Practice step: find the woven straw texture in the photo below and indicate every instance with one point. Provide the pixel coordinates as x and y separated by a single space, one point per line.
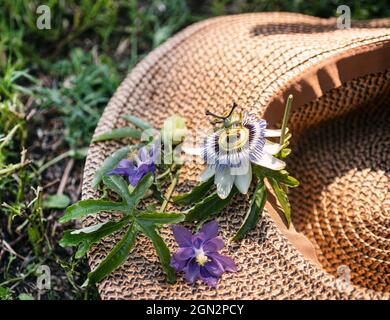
341 154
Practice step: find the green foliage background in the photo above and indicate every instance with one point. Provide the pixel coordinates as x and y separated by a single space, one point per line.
54 85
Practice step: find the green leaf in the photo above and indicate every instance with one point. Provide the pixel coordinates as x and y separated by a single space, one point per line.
139 191
25 296
282 198
57 201
197 193
119 133
137 122
157 194
5 293
254 212
119 185
161 249
85 207
110 163
85 237
211 205
115 258
152 218
280 176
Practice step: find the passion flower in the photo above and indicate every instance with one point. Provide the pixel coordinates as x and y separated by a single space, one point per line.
231 150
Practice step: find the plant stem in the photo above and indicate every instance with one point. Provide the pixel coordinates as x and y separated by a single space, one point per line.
170 190
13 167
285 118
165 173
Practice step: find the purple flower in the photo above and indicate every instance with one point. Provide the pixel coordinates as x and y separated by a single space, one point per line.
198 254
142 164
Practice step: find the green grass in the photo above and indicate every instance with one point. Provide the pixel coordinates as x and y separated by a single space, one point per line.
54 85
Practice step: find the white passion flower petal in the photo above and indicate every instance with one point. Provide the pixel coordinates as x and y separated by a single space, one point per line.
224 182
269 161
207 173
271 133
243 181
271 147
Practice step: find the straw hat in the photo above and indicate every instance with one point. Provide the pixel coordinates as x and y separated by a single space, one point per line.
340 79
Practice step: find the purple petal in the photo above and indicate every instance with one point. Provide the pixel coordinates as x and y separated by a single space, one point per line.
208 278
143 154
135 177
227 263
143 169
180 258
197 240
183 236
193 271
214 267
125 168
209 230
153 152
211 281
126 163
119 171
184 253
213 245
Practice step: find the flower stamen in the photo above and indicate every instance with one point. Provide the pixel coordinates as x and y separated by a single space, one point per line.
201 258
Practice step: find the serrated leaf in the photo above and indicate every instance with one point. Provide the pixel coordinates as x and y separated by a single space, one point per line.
85 207
254 212
119 185
197 193
150 218
57 201
209 206
119 133
85 237
110 163
115 258
161 249
137 122
282 198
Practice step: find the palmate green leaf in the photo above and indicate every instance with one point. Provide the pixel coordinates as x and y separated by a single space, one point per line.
115 258
157 193
161 248
209 206
119 133
156 218
137 122
119 185
85 237
198 192
139 191
110 163
282 198
280 176
254 212
85 207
